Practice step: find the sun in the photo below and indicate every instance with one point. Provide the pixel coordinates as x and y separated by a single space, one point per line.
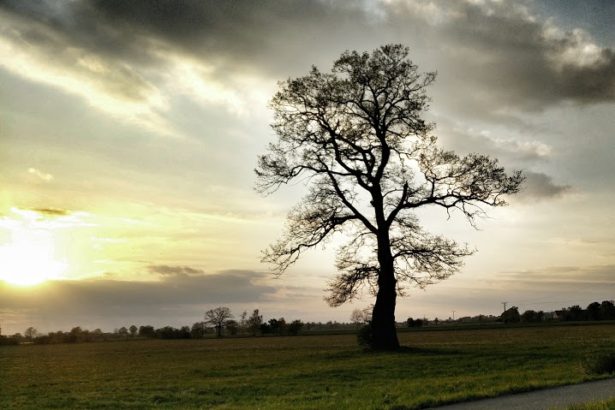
28 259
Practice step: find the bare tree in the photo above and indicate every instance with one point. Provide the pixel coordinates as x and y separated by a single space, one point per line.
218 317
30 333
254 322
360 316
357 137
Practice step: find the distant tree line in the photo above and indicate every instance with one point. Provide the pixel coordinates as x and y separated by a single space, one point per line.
217 322
220 322
594 311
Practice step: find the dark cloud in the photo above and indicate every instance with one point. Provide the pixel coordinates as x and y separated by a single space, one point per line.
174 270
491 57
539 186
51 211
110 301
69 39
499 55
264 36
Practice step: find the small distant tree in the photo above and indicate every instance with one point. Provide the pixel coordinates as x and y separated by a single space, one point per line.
607 310
166 332
277 326
184 332
147 331
295 327
133 330
254 322
531 316
122 331
511 315
232 327
243 321
265 328
273 325
30 333
360 317
593 311
217 318
573 313
75 335
198 330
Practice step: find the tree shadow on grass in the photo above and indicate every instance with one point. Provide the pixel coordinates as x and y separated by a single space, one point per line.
412 350
403 350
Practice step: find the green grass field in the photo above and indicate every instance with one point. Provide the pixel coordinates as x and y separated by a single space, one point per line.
316 372
600 405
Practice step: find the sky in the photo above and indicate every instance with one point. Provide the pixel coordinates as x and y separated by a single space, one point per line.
129 131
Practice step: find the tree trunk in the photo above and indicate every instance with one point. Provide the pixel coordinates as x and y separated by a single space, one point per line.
383 316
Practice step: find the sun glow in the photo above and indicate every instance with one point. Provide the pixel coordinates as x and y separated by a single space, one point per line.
29 256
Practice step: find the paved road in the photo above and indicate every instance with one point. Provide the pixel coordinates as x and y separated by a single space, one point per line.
557 397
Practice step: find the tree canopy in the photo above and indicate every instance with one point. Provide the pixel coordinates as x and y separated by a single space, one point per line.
218 317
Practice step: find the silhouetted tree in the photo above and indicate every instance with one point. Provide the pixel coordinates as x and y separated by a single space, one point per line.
593 311
511 315
277 326
217 317
264 328
198 330
607 310
166 332
30 333
133 330
232 327
254 322
532 316
243 321
295 327
147 331
357 136
7 341
184 332
573 313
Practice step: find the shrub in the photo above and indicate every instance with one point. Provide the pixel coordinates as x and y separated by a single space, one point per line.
365 336
8 341
601 364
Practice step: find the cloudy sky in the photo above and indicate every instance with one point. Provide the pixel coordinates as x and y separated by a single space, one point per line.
129 131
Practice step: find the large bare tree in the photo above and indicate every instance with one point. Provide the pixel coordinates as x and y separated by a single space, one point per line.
356 136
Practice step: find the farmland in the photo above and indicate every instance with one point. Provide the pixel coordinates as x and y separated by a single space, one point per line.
327 371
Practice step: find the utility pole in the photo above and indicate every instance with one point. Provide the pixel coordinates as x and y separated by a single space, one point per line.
504 304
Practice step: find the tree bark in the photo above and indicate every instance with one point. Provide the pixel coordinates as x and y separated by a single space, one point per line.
384 332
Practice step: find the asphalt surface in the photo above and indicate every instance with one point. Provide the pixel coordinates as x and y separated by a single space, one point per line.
547 399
